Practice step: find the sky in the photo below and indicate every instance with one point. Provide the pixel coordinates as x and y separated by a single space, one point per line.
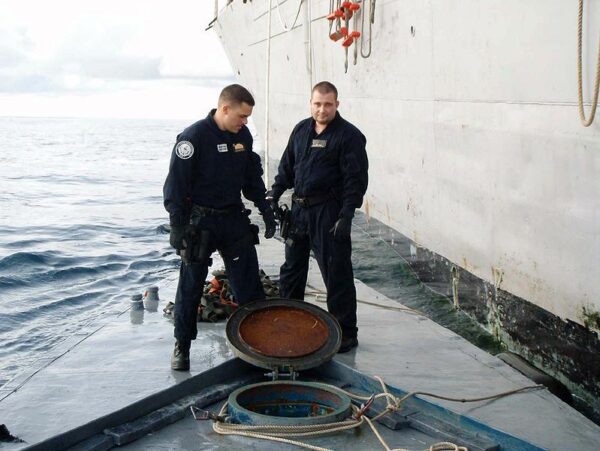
108 58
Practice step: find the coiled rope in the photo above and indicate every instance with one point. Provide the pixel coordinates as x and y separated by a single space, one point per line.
279 433
586 121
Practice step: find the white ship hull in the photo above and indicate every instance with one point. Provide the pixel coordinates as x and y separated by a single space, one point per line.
474 140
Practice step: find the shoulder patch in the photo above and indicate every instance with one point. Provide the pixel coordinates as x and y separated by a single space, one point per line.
184 150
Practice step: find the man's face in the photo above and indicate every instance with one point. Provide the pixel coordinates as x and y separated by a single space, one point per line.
323 107
236 116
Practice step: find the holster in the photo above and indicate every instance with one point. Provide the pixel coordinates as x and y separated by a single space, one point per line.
284 214
254 231
197 244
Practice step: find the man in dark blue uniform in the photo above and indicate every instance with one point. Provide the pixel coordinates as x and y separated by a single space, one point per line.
326 164
212 162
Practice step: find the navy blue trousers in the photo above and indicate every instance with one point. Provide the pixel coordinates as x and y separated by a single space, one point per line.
230 234
311 231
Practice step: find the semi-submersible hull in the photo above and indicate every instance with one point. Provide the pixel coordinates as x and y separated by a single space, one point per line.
478 159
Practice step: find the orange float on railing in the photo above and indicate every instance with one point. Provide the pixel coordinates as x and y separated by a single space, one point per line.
339 34
338 13
345 11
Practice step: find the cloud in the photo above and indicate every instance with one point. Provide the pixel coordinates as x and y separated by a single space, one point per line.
14 45
21 83
89 57
109 58
82 47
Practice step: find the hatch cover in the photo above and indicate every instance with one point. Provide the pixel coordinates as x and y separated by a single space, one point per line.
283 333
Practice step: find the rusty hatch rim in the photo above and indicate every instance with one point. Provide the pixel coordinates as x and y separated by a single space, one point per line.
280 333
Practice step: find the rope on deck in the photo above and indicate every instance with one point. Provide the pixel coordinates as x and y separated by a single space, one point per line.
279 433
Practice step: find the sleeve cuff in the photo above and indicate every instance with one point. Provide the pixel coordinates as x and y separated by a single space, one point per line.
178 220
262 206
347 212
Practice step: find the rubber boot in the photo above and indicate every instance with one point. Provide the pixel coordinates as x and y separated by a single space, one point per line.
180 360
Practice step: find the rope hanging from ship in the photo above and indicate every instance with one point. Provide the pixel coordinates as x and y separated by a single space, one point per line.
586 121
282 21
345 11
362 28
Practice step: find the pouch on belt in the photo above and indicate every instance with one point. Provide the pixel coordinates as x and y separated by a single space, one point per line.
198 247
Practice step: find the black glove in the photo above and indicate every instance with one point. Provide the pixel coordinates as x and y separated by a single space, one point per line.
176 236
270 223
273 202
341 229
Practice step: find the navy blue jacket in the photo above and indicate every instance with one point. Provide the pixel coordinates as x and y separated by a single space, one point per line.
210 167
334 161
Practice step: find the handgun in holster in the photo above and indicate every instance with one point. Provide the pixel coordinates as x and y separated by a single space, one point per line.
197 246
284 215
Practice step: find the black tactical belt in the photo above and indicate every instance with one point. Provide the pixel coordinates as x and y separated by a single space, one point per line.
309 201
198 210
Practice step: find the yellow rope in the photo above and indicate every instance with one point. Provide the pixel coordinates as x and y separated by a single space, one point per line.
271 438
447 446
278 432
586 122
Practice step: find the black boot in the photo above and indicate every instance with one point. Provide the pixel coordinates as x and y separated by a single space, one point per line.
348 343
180 360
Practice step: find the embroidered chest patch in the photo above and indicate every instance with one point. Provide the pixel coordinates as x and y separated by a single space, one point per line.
184 150
238 147
319 143
222 147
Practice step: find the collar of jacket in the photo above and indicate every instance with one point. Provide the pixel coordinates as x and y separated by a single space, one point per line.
213 125
211 121
335 123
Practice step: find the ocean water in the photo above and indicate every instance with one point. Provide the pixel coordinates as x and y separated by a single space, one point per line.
82 229
81 226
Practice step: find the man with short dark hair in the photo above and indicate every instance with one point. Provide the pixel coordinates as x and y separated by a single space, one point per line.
212 162
325 162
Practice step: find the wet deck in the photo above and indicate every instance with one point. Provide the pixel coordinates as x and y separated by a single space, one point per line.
126 360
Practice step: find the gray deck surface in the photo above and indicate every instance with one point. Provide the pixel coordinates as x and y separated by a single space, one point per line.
192 434
127 360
